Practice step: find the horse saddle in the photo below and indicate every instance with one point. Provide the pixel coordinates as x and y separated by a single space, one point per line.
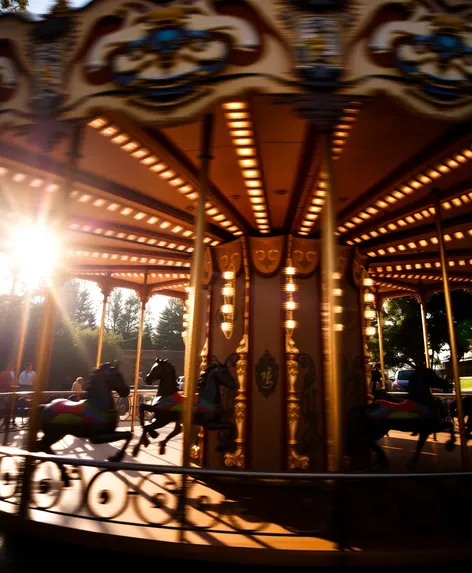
406 409
62 406
175 403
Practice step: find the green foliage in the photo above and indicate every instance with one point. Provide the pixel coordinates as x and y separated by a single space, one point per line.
123 315
168 335
402 330
78 304
14 5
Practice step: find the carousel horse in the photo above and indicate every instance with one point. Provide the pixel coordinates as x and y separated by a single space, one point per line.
420 413
94 418
467 406
168 408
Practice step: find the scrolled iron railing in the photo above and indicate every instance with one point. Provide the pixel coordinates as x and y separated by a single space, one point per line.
344 510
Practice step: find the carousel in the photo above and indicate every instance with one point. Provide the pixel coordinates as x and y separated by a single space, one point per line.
282 166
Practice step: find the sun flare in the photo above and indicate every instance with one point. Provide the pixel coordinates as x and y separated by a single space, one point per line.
32 255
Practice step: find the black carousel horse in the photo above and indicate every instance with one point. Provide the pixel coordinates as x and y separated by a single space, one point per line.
168 408
420 413
94 418
467 406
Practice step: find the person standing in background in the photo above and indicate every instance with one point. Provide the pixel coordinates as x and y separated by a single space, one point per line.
27 377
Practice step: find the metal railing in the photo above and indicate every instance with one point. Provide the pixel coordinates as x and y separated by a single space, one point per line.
344 510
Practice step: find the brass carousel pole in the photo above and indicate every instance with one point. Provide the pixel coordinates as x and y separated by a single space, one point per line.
105 288
46 332
25 312
378 311
194 295
144 298
332 329
450 326
424 327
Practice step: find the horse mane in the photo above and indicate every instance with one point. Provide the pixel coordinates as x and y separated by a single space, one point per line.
204 375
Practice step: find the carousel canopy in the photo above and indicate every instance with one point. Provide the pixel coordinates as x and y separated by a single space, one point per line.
130 214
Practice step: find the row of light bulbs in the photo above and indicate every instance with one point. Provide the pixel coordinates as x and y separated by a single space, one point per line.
316 205
459 235
416 266
422 277
458 201
148 159
291 305
238 117
402 191
369 305
344 127
228 293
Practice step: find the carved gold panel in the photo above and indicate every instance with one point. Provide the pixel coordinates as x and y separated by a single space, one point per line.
266 254
227 255
305 255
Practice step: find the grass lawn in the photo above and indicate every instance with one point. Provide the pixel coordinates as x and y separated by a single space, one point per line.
466 383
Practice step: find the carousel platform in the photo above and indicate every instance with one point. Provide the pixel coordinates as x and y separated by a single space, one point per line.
150 506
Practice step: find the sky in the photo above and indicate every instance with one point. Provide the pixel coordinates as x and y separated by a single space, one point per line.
42 6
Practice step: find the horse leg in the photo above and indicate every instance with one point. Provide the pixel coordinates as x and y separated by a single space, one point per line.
144 440
44 445
382 459
175 432
113 437
419 446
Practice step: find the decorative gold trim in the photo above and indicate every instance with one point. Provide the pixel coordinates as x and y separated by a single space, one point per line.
294 460
197 449
237 459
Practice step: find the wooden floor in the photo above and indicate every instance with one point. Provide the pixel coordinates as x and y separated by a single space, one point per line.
128 505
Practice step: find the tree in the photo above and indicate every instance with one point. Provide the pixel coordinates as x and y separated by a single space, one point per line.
114 311
14 5
78 304
168 335
402 330
402 334
437 321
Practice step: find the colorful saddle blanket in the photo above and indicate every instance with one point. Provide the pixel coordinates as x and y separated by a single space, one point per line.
63 411
175 403
400 410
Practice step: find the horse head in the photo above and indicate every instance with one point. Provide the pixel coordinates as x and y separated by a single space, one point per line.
108 376
220 373
163 371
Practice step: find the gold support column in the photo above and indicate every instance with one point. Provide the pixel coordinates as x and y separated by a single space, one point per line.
378 312
450 326
25 312
295 461
424 326
46 332
331 330
237 459
194 298
197 449
105 288
143 295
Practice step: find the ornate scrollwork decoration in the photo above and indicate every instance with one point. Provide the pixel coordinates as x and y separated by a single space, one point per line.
416 51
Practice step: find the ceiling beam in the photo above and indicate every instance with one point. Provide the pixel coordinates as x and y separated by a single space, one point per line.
171 293
181 257
392 216
433 152
128 229
110 269
422 273
47 164
415 233
307 173
172 155
416 257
